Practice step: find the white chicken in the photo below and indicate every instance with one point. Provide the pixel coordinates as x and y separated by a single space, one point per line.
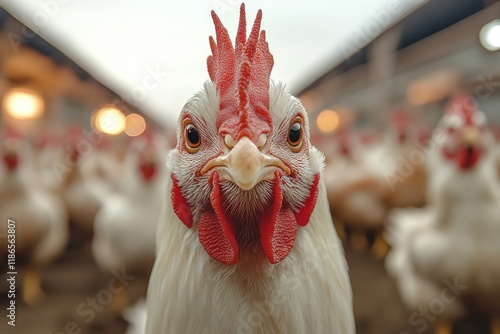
125 226
454 240
357 195
247 243
398 161
82 192
41 221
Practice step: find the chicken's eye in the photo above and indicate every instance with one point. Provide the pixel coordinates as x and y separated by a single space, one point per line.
295 134
192 138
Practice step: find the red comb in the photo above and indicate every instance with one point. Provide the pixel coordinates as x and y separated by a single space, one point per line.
149 137
463 105
241 75
400 118
74 133
12 133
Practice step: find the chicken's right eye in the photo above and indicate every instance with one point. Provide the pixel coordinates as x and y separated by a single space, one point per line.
192 137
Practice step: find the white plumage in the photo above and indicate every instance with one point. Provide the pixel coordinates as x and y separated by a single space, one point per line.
454 238
246 243
189 292
41 221
125 226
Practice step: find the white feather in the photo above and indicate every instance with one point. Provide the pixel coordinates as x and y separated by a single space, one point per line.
454 238
189 292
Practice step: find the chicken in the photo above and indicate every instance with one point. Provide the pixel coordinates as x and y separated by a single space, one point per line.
39 216
104 164
400 162
454 240
83 192
247 243
357 196
48 151
125 226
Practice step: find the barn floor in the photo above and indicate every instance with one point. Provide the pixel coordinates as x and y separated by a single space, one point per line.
69 283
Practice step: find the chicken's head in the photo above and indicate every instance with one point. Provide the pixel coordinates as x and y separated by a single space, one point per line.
465 135
148 160
244 172
73 138
12 146
401 126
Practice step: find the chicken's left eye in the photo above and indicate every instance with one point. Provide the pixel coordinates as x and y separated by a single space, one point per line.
192 137
295 134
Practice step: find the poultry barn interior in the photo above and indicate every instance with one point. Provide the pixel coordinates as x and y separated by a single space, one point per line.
405 109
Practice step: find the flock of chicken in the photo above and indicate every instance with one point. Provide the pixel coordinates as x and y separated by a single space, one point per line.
430 206
436 200
52 186
246 242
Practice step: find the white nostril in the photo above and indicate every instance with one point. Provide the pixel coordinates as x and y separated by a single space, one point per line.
261 141
229 141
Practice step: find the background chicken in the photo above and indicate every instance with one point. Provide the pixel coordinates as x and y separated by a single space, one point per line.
357 195
247 228
455 238
40 217
82 190
402 163
125 226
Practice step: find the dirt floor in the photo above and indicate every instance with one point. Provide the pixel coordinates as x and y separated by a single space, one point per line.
73 279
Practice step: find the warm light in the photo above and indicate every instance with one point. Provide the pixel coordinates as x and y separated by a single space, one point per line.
134 125
328 121
22 103
109 120
433 86
489 36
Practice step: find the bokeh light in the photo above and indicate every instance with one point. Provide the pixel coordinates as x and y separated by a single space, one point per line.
22 103
134 125
489 36
109 120
328 121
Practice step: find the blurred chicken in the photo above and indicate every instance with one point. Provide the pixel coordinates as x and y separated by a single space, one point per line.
400 162
452 244
41 222
357 196
247 228
48 152
83 191
125 226
105 162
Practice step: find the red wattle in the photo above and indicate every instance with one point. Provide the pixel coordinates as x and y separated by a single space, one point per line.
464 158
148 171
304 214
467 159
11 161
180 204
278 227
215 231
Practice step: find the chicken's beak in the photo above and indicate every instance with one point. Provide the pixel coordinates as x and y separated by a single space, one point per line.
471 137
245 165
